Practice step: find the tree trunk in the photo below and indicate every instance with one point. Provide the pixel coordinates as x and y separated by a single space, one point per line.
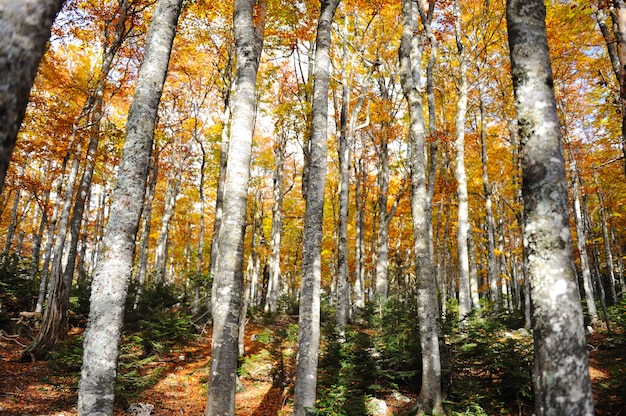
619 20
601 18
219 198
97 108
24 30
359 257
54 322
465 298
309 318
430 397
274 289
112 276
38 236
146 215
12 224
492 262
561 378
171 193
227 286
608 254
196 288
581 238
344 154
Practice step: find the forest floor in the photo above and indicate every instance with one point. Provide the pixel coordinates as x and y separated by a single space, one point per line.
177 385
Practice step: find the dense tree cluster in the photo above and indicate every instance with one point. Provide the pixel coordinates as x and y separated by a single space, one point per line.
355 150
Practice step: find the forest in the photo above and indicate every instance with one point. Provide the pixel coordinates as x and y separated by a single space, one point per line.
334 207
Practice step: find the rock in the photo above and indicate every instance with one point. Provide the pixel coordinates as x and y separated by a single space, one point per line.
140 409
376 407
400 397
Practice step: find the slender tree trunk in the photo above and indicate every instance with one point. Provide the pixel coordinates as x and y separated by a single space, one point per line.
97 106
110 282
171 193
309 318
38 236
359 257
492 262
608 254
24 30
219 199
348 128
12 224
430 397
619 22
54 321
274 289
228 283
581 238
344 153
601 18
146 215
196 288
561 379
465 298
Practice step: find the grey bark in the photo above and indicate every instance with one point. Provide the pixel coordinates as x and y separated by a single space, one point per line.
112 276
274 289
228 282
348 127
48 250
344 153
359 257
465 297
24 30
619 28
608 253
111 47
146 215
601 18
54 322
561 376
199 259
492 261
581 237
309 317
225 137
12 224
38 236
430 396
171 193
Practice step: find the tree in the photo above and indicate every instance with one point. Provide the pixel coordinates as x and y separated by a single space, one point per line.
249 25
309 317
561 378
24 30
112 276
465 296
430 397
54 322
